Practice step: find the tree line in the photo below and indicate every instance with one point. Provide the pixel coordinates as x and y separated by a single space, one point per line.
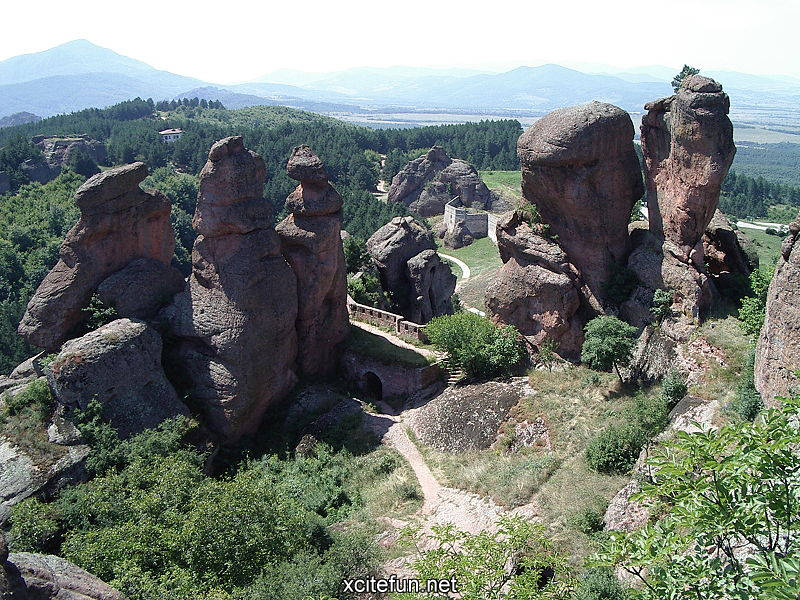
744 196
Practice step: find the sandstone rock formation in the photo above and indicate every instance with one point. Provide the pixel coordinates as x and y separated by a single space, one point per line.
421 285
580 170
119 364
427 183
727 251
234 340
27 576
778 348
537 290
687 144
119 224
457 236
311 243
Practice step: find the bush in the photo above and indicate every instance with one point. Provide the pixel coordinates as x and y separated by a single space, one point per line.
608 343
480 347
37 397
35 527
366 289
753 309
599 584
675 387
98 313
748 402
355 254
661 307
651 413
587 520
615 450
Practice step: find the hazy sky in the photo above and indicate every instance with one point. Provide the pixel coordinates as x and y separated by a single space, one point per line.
225 42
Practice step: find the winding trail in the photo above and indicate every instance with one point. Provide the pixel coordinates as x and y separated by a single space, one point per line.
465 271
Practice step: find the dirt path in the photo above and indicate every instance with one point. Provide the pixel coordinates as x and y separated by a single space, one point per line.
465 271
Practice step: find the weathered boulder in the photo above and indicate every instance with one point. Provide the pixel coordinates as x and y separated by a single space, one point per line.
233 339
778 348
119 223
119 364
28 576
427 183
37 170
140 289
420 284
580 169
311 243
537 290
457 236
687 144
432 286
727 251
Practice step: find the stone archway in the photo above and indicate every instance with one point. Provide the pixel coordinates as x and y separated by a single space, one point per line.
372 386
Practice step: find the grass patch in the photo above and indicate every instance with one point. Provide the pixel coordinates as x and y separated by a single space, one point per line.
767 246
481 256
505 183
378 347
472 292
23 420
720 382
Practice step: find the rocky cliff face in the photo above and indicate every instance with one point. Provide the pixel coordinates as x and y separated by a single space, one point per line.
429 182
537 290
580 170
778 349
59 150
119 224
420 284
687 144
235 342
311 244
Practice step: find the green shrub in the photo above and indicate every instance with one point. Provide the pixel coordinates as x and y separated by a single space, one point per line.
35 527
651 413
98 313
675 387
366 289
615 449
753 309
608 343
599 584
588 520
37 397
747 403
480 347
661 306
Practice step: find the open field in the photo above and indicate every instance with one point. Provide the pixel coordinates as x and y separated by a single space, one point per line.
767 246
505 183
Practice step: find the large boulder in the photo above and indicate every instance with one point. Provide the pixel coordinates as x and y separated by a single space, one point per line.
119 364
432 286
312 245
58 151
119 223
580 169
429 182
778 348
419 283
537 290
37 170
726 250
233 339
27 576
457 236
687 144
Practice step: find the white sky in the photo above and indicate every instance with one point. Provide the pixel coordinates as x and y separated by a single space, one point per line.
225 42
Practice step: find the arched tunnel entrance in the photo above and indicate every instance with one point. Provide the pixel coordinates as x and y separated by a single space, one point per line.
372 386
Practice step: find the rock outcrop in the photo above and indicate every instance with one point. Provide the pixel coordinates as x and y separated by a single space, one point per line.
58 151
119 364
27 576
778 348
311 243
687 144
429 182
234 341
420 284
727 252
537 290
120 223
580 170
457 236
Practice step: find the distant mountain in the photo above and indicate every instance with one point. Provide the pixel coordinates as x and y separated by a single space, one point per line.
19 118
79 75
233 99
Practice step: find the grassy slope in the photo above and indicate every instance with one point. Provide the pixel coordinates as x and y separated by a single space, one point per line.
767 246
506 183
